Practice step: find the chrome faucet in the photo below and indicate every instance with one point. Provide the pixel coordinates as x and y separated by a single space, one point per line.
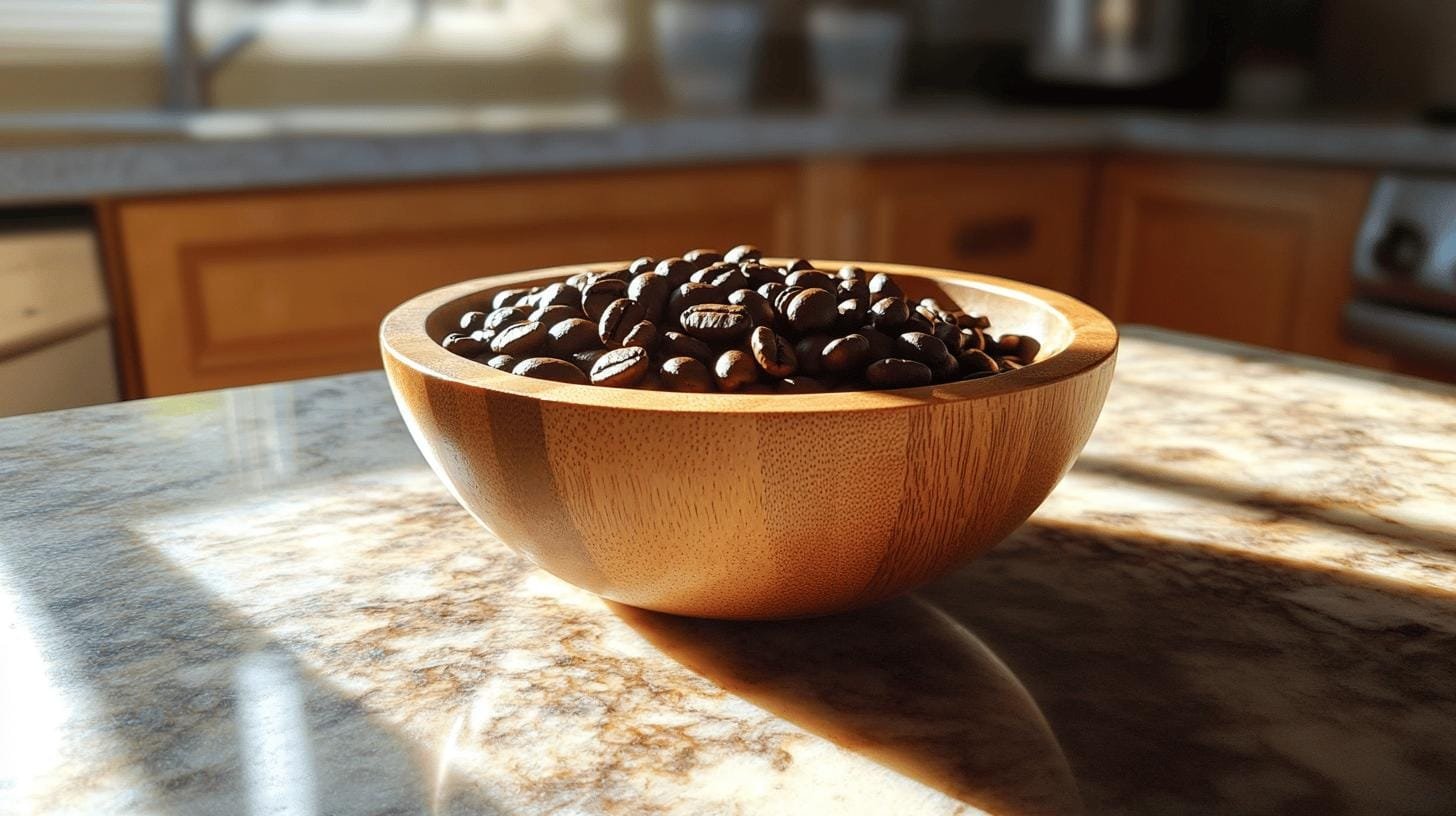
188 72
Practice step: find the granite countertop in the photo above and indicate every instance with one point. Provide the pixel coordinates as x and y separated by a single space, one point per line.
75 157
1241 599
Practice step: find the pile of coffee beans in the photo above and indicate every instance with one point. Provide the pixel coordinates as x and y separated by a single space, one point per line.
729 322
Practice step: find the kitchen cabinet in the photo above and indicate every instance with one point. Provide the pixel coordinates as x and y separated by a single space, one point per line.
1022 217
245 288
1242 251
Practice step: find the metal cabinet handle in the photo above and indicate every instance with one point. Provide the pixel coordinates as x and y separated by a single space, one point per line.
1003 235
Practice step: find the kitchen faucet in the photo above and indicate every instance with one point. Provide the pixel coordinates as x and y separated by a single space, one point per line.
188 72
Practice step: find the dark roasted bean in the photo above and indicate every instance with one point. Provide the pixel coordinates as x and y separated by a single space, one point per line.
685 374
677 344
889 314
797 264
503 362
851 314
1009 364
549 316
619 319
621 368
580 280
848 354
759 274
926 348
760 311
770 291
782 297
472 322
506 297
811 310
883 286
882 345
772 352
810 353
730 280
704 275
916 323
467 345
743 252
623 275
975 362
642 335
519 339
980 322
811 279
735 369
550 368
893 372
652 291
559 294
573 335
853 290
676 270
506 315
716 322
700 258
973 339
641 265
598 296
584 360
1019 347
850 272
950 335
687 296
799 384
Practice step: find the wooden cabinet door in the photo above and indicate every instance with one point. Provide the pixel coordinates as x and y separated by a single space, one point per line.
244 288
1021 217
1241 251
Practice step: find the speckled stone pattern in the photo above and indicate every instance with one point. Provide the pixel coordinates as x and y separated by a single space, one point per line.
1241 600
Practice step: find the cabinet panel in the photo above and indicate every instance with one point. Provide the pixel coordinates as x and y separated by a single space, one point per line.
230 290
1016 217
1240 251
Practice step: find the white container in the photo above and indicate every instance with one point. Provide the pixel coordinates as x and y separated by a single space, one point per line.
857 55
707 50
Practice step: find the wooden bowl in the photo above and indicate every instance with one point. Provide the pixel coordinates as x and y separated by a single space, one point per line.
754 506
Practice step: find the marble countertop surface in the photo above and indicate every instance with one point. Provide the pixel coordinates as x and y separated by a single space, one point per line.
1241 600
48 158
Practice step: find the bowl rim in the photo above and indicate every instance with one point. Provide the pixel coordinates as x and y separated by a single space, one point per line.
403 336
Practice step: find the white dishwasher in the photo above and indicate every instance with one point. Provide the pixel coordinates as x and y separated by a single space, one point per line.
55 322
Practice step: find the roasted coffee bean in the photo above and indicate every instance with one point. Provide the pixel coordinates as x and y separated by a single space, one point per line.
472 322
889 314
506 297
743 252
810 353
882 345
848 354
704 275
466 345
700 258
685 374
687 296
917 323
760 311
550 368
950 335
519 339
652 291
677 344
618 320
549 316
979 322
925 312
784 295
506 315
623 275
642 335
811 279
811 310
883 286
580 280
716 322
771 290
799 384
573 335
1019 347
798 264
772 352
1009 364
976 362
735 369
850 272
558 294
676 270
851 314
853 290
973 339
621 368
503 362
759 274
894 372
730 280
642 265
926 348
584 360
599 295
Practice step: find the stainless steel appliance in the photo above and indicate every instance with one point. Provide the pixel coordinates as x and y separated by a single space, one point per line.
1116 43
1405 271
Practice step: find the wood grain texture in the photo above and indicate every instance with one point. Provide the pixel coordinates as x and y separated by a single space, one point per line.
1235 250
749 506
244 288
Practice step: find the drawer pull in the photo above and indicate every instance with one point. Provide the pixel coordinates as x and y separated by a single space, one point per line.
994 236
